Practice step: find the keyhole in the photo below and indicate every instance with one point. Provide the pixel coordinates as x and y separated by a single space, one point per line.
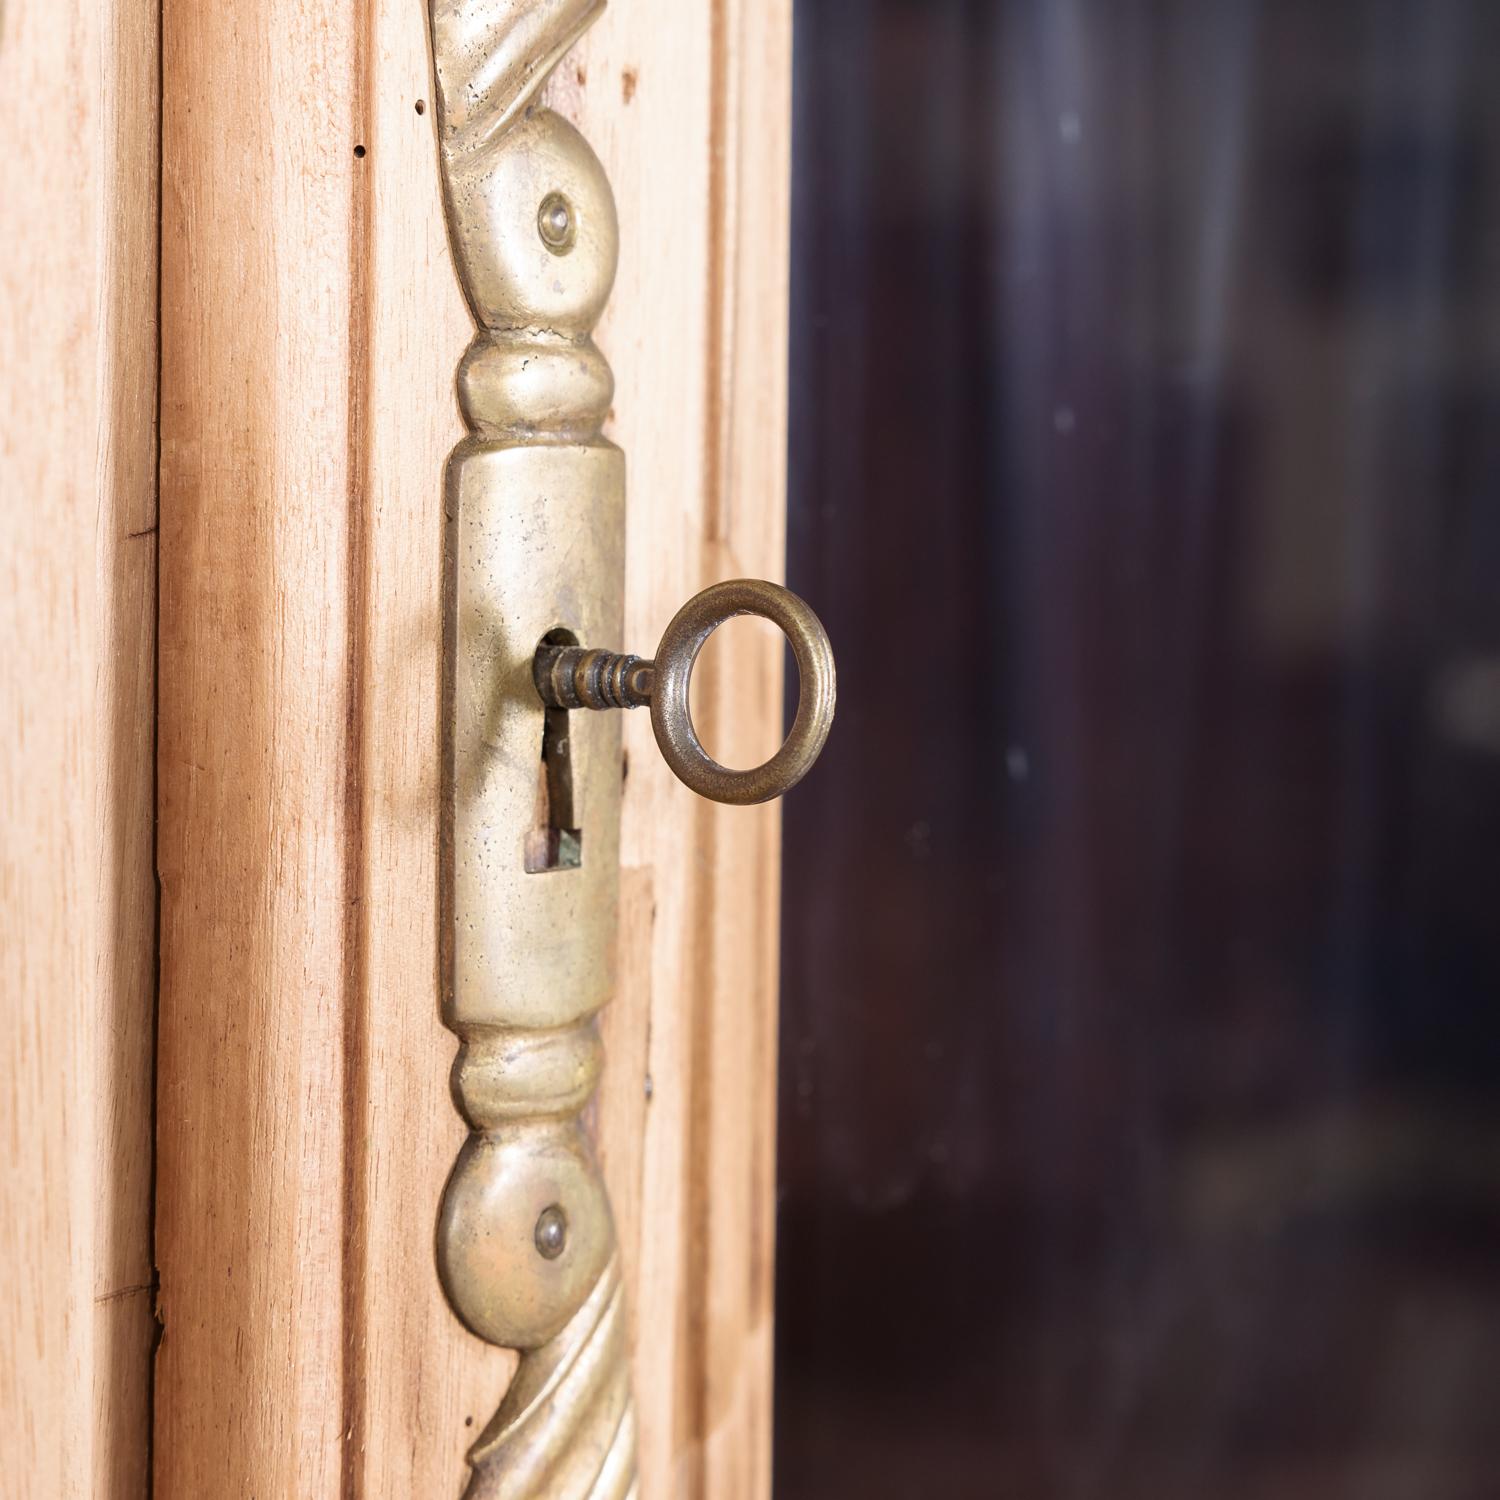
554 842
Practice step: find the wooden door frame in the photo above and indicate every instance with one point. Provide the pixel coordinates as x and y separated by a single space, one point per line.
310 325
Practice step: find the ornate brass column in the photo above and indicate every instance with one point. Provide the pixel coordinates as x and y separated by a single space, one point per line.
535 549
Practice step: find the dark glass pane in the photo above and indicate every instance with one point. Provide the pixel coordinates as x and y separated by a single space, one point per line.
1140 1123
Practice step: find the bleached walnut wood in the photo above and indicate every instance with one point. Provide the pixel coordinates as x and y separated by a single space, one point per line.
261 834
311 327
77 605
306 1122
699 158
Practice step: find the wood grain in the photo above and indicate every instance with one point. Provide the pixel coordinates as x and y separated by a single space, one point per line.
699 156
259 820
311 326
77 604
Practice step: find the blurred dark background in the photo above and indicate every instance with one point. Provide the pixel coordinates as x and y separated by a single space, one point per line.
1140 1077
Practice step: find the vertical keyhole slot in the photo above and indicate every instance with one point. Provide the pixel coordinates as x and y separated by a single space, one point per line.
555 842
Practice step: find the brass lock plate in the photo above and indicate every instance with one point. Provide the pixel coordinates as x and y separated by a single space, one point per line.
536 545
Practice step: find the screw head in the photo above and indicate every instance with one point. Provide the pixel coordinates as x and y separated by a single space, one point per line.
551 1232
557 224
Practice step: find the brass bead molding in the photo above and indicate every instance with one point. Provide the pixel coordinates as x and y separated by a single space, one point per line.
534 557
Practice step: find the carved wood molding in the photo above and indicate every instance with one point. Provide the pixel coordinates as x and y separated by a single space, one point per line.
535 545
